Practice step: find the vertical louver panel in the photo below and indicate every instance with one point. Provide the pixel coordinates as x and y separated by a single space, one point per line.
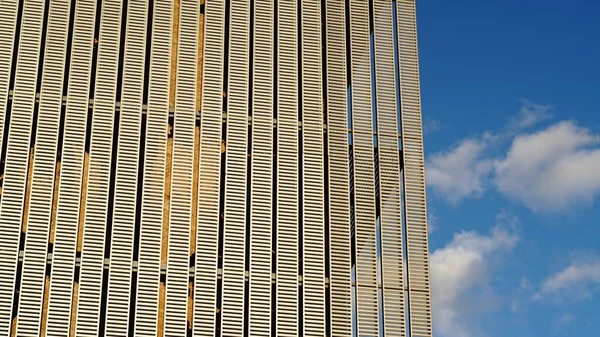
183 164
210 161
414 172
152 197
17 155
313 178
287 170
123 228
364 181
96 211
235 177
262 166
42 183
389 171
69 193
339 189
8 22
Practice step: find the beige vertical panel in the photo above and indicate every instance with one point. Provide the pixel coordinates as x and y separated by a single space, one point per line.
209 177
389 171
67 216
42 185
96 211
126 178
183 164
337 150
17 155
414 173
262 165
364 181
313 178
8 22
234 243
287 170
154 171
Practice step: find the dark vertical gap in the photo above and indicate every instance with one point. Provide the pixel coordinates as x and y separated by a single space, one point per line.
223 170
113 171
274 170
326 166
140 183
17 290
249 171
300 177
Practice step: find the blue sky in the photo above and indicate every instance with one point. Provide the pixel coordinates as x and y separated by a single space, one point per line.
512 140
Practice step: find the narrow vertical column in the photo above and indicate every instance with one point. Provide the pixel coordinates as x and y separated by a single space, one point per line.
236 169
287 170
126 177
339 187
414 172
96 211
364 178
8 24
209 178
389 172
69 193
313 178
17 155
183 163
42 188
262 166
153 195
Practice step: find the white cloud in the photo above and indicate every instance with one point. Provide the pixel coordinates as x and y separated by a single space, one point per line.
551 169
461 282
564 320
575 282
432 125
531 113
432 221
548 170
460 172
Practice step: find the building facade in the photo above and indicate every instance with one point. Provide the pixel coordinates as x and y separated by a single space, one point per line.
211 168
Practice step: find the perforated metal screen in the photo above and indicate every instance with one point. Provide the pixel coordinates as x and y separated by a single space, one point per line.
211 168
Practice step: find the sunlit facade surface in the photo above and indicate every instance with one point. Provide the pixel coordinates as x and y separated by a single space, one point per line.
211 168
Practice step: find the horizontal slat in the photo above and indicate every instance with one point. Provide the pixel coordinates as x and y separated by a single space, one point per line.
183 164
261 174
339 196
67 216
154 171
17 154
234 236
96 211
210 160
414 172
126 178
389 172
287 170
312 177
44 164
8 24
364 178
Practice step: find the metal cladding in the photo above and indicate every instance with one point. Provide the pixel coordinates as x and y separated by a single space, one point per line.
212 168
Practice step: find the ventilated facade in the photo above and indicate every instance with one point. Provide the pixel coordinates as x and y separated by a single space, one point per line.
211 168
